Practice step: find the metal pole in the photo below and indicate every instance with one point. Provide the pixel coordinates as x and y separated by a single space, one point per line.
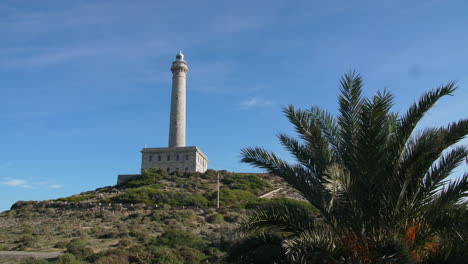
218 192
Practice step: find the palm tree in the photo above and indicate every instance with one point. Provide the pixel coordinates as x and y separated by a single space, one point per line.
381 188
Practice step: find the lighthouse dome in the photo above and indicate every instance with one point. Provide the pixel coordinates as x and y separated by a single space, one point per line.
180 56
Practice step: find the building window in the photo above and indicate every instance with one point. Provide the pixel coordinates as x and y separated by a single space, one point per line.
177 157
150 158
168 158
177 169
186 169
168 169
159 158
186 157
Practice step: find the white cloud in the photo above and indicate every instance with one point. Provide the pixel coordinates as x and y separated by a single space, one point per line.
15 182
12 182
254 102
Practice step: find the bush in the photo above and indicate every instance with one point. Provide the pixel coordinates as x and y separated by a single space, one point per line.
247 182
34 261
77 247
67 258
267 202
112 259
61 244
167 255
186 215
125 242
214 218
150 195
177 239
149 176
74 199
235 197
231 217
191 255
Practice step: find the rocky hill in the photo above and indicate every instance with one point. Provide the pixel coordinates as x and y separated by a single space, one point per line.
155 218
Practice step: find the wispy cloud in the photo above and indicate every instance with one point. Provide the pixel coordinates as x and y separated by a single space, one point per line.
15 182
255 102
46 58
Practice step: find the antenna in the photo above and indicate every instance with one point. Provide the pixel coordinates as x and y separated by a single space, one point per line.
218 192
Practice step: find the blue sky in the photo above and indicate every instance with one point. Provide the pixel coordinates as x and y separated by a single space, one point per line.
84 85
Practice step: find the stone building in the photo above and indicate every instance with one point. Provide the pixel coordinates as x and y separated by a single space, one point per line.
176 156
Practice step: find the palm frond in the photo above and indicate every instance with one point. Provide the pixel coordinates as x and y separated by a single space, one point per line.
302 153
452 194
311 132
436 176
350 102
313 246
424 150
408 122
281 216
328 125
302 179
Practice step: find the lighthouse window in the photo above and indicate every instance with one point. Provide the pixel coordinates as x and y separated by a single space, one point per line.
150 158
177 157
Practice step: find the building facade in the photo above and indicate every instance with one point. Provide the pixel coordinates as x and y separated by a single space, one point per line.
174 159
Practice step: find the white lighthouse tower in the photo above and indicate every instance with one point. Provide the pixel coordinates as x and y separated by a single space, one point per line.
179 71
177 156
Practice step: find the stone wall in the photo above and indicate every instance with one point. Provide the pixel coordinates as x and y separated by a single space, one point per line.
88 206
123 178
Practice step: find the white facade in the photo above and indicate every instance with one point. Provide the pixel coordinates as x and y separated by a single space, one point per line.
179 71
174 159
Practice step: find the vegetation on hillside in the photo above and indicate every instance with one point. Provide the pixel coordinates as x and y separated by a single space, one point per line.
184 227
381 187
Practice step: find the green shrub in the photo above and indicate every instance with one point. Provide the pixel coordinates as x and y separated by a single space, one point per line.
149 176
234 197
231 217
214 218
159 215
26 241
177 239
150 195
77 247
112 259
74 199
191 255
266 202
247 182
186 215
67 258
125 242
61 244
167 255
33 261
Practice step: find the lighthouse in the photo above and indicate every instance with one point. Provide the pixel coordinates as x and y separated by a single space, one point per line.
179 71
177 156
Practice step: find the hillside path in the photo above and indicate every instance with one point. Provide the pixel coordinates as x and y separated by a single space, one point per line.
25 254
